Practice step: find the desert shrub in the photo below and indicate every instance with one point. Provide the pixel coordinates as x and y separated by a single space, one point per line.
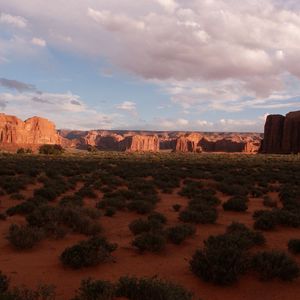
294 246
51 149
24 151
24 237
265 220
176 207
110 212
156 216
275 264
221 261
191 188
179 233
4 283
233 189
245 237
74 200
236 204
201 215
140 226
87 253
268 202
21 209
42 292
290 218
140 206
150 289
153 242
48 193
86 191
95 290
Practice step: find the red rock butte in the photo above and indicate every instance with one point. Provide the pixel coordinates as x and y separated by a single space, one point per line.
36 131
282 134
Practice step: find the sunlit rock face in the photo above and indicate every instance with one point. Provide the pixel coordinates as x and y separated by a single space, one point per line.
33 131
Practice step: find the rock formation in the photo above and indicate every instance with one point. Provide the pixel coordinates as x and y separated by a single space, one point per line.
282 134
14 134
34 131
140 143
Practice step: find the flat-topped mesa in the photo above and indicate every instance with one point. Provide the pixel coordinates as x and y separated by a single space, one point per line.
34 131
142 143
282 134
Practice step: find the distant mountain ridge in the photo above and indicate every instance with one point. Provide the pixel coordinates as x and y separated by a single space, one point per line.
14 133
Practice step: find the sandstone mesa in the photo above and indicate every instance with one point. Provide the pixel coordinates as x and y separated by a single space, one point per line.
282 135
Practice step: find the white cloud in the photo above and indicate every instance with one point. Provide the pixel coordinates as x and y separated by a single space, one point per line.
182 122
38 42
168 5
127 105
223 55
115 22
15 21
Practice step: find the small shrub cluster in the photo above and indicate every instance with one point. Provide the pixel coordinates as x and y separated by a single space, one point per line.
275 264
148 241
95 290
150 289
51 149
24 237
225 257
131 288
87 253
179 233
236 203
201 208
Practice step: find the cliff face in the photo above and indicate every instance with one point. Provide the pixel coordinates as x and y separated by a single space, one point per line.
273 134
291 133
282 134
140 143
189 143
34 131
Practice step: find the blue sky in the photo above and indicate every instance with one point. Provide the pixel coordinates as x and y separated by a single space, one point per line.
209 65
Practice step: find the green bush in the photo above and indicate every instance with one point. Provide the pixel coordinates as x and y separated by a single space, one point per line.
140 206
203 215
43 292
159 217
4 283
179 233
275 264
245 237
95 290
148 241
236 203
221 261
140 226
87 253
150 289
294 246
265 220
51 149
24 237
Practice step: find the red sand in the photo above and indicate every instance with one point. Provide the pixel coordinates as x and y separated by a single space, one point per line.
42 265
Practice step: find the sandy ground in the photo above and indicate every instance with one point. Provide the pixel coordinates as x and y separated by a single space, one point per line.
42 265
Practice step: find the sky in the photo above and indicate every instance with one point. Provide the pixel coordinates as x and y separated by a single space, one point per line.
205 65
